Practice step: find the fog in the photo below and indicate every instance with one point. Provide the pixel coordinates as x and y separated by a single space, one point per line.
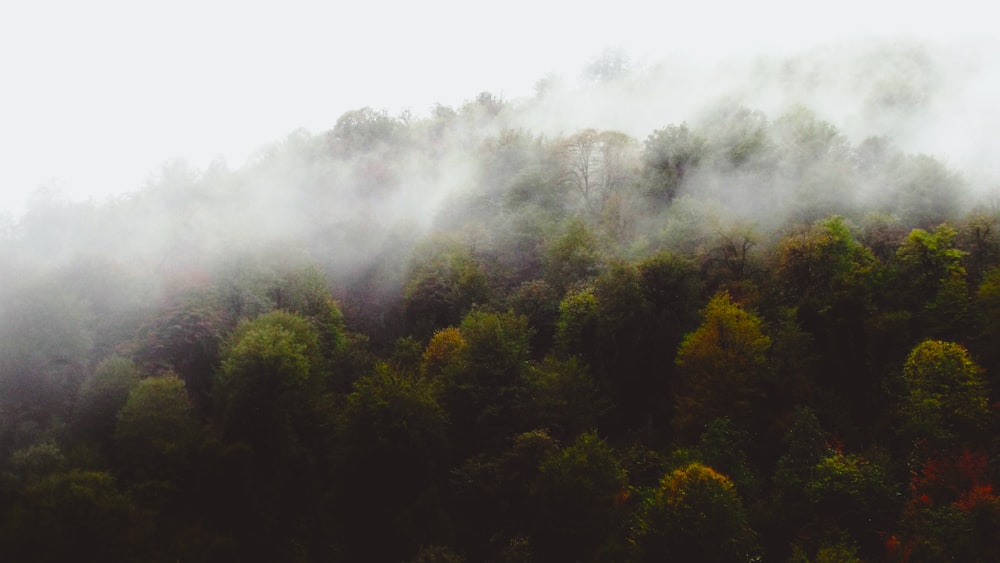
98 97
379 171
177 143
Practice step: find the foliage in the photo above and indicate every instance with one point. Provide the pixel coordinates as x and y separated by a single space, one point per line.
266 371
951 511
571 257
670 154
579 489
576 330
945 395
156 433
489 389
393 446
65 514
721 365
103 394
442 288
695 515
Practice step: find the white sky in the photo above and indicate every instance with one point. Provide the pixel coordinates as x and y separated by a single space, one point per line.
95 95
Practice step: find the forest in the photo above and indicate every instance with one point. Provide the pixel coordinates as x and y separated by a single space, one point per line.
454 338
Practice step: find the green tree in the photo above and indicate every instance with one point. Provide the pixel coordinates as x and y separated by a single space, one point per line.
579 489
739 137
156 434
444 283
670 154
852 493
266 374
724 447
67 514
563 397
364 130
571 257
487 392
393 452
945 395
305 291
824 267
987 308
537 301
576 327
933 279
30 464
825 274
272 413
924 190
102 395
496 495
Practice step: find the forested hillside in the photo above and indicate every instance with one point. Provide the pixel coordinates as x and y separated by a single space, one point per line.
742 336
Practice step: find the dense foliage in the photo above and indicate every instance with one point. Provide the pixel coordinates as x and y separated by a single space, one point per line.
446 339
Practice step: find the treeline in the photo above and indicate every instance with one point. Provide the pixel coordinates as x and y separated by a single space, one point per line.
451 339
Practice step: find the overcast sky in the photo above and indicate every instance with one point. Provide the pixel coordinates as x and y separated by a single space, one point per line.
96 95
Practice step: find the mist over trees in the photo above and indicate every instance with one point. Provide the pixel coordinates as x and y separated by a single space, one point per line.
522 330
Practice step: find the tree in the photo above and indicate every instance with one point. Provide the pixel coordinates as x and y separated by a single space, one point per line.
669 156
443 284
156 433
393 449
563 397
695 515
933 278
852 493
598 164
305 291
576 328
724 447
826 276
739 138
536 300
609 65
28 465
487 393
815 158
721 367
824 267
272 413
45 344
496 494
184 337
70 513
578 491
806 446
951 512
102 395
924 191
266 373
945 396
987 307
363 130
443 354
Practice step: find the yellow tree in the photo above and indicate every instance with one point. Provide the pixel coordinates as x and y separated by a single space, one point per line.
721 367
695 515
